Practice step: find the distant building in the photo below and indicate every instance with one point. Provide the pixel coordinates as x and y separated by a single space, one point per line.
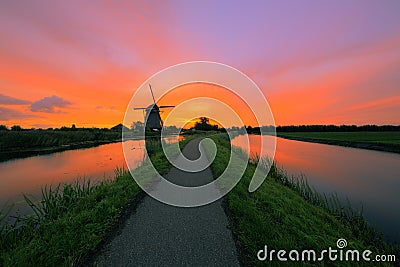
120 127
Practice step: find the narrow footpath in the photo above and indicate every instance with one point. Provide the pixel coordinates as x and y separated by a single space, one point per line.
161 235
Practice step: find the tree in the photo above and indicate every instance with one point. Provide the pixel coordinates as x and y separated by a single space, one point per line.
204 125
16 128
3 127
171 129
137 126
204 120
249 129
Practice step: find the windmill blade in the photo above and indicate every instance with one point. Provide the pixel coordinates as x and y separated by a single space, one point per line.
166 106
141 108
151 90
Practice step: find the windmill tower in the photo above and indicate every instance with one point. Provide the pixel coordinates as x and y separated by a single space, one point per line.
152 116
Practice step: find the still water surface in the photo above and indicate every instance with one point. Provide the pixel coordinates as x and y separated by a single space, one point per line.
29 175
369 179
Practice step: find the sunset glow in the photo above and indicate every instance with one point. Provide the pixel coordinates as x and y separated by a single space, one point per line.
65 63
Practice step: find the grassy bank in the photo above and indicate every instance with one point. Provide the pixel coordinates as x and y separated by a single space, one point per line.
383 141
71 220
287 214
14 144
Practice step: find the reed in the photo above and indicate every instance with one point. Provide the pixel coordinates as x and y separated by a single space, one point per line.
285 212
33 139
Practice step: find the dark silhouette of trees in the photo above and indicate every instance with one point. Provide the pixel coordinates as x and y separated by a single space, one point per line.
137 126
204 125
16 128
317 128
335 128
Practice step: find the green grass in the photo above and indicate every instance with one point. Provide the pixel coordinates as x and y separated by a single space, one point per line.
34 139
71 219
287 214
388 138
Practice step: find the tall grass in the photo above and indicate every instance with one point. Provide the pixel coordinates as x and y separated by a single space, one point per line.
331 203
69 221
387 138
61 198
287 213
21 140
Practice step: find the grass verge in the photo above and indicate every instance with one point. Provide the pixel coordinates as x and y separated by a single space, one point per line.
19 144
71 220
287 214
390 138
383 141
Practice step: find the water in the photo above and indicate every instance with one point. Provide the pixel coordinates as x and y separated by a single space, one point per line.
369 179
29 175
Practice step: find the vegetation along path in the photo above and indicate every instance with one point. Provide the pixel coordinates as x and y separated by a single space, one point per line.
161 235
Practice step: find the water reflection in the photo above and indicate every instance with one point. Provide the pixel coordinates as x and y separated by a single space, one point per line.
29 175
370 179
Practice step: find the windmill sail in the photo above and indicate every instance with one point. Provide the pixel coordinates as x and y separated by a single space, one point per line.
166 106
151 90
152 116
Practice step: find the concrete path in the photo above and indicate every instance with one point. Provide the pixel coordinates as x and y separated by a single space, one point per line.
161 235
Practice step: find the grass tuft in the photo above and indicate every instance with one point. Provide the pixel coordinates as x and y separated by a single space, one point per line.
70 220
286 213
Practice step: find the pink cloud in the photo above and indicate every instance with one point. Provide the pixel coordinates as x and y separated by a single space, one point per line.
388 102
50 104
8 100
7 114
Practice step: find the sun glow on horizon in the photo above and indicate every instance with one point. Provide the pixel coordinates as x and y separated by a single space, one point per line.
315 63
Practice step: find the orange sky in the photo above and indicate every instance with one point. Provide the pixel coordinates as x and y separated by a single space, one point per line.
197 90
75 63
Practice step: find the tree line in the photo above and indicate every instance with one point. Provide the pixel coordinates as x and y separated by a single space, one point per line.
204 125
337 128
317 128
17 128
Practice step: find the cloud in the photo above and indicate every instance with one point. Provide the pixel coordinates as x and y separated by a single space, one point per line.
388 102
8 100
7 114
50 104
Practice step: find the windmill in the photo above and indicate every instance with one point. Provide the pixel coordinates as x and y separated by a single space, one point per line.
152 116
